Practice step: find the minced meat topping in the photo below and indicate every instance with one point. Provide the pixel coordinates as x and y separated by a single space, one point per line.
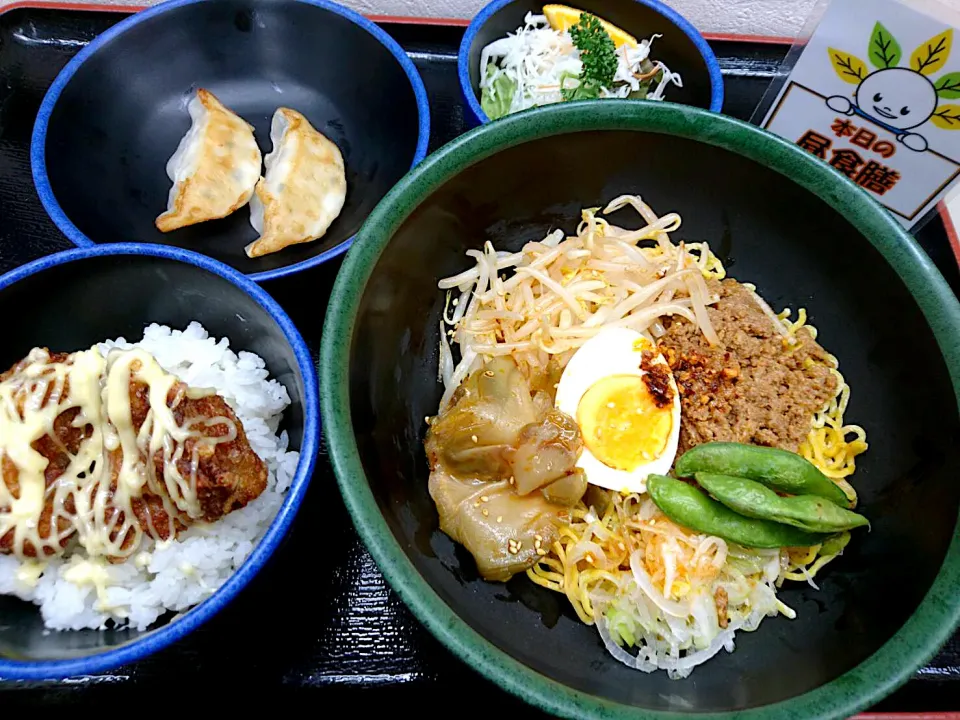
755 387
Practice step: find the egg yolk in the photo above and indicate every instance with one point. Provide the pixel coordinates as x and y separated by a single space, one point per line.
621 424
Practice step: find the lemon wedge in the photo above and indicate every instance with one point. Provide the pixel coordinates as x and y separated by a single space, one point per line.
563 17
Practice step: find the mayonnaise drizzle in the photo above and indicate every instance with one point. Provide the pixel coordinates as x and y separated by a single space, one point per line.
93 500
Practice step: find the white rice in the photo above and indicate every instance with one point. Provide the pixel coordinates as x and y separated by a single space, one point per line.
179 574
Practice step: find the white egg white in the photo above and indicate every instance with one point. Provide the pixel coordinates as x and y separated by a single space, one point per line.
614 351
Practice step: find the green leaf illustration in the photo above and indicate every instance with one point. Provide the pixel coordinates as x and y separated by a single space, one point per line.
948 86
884 49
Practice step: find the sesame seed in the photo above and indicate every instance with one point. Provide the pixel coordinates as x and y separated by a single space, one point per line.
485 512
477 504
456 301
484 498
541 552
499 518
589 558
474 438
488 373
512 481
538 538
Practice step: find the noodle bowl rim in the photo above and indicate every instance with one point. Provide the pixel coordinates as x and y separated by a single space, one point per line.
895 661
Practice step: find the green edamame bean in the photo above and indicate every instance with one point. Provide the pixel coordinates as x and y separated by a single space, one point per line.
835 544
807 512
691 508
778 469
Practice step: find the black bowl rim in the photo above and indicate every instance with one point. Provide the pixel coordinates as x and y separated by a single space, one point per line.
894 663
463 56
38 142
154 640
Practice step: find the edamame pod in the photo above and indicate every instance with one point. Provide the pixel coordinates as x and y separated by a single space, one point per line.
807 512
835 544
778 469
691 508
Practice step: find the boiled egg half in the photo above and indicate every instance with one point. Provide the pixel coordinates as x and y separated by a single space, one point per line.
622 394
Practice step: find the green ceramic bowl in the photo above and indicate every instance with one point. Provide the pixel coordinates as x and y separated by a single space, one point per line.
778 218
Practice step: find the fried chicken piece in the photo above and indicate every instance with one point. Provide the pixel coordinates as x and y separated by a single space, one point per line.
58 450
227 474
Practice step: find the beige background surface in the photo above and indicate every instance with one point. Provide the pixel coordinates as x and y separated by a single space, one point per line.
748 17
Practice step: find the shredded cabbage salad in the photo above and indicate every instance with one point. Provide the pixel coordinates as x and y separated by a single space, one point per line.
531 67
662 597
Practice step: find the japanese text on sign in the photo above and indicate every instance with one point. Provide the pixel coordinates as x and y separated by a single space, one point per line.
869 174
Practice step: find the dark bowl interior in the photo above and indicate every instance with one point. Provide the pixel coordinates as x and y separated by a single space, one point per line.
675 48
800 253
122 114
121 295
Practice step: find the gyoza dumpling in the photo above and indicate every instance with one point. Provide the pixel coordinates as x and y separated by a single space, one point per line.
215 168
304 188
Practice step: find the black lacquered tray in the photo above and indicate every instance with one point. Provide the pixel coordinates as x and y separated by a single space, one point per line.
319 624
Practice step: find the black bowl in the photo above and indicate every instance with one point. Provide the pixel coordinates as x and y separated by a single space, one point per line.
117 111
73 299
779 218
682 48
